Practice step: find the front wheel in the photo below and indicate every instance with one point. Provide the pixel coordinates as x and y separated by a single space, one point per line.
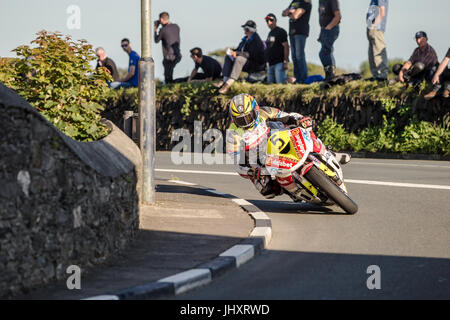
325 185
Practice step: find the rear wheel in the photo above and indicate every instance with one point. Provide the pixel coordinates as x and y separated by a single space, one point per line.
325 185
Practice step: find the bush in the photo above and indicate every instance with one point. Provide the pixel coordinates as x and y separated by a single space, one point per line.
55 76
416 137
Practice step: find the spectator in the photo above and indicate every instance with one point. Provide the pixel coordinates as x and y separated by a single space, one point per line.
248 57
376 26
169 34
132 77
299 12
329 19
277 51
421 65
440 77
211 68
108 63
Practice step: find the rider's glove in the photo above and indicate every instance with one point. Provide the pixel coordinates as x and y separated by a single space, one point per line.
305 123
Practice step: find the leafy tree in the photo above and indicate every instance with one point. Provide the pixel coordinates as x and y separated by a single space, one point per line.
55 76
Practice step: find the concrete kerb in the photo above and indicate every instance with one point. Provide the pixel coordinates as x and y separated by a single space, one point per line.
232 258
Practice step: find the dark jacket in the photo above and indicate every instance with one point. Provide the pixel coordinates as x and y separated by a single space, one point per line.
253 50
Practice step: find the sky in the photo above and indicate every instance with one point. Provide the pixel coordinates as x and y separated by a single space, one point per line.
214 24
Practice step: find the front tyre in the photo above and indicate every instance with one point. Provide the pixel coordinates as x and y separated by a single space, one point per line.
325 185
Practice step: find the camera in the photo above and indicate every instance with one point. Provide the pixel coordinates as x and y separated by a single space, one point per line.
157 23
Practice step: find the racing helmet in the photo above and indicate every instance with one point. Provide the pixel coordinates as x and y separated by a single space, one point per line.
244 110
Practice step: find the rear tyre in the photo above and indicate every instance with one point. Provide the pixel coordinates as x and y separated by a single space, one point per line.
321 181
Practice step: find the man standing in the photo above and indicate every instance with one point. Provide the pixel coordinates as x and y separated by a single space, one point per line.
169 34
108 63
211 68
248 57
277 51
421 65
299 12
376 26
329 19
132 77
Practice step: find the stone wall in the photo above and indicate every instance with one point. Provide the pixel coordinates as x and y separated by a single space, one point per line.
62 202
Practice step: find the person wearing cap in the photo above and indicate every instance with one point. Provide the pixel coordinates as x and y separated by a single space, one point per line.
421 65
441 77
376 26
248 57
169 34
277 51
299 12
329 19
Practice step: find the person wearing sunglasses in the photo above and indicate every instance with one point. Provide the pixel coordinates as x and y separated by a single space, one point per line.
277 51
131 79
248 57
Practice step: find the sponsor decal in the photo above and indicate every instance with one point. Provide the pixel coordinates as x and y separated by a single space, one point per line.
298 143
280 162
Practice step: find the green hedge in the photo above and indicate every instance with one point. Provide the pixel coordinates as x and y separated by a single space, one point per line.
55 76
396 122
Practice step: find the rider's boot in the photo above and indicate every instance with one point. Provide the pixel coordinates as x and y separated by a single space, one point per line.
267 187
342 158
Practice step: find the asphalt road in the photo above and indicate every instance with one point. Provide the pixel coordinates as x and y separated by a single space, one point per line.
402 226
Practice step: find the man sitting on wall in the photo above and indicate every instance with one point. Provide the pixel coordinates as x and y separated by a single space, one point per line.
248 57
421 65
211 68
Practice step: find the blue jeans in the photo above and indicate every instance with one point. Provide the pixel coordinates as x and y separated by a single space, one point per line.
327 39
276 73
298 42
118 85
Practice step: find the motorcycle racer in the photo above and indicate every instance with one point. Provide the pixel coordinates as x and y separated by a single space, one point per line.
249 127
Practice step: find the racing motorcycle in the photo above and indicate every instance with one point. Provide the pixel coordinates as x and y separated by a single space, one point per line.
291 153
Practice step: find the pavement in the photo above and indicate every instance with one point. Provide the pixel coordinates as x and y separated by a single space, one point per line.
189 226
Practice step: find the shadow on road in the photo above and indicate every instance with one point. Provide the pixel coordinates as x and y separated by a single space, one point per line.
291 207
289 275
273 275
177 189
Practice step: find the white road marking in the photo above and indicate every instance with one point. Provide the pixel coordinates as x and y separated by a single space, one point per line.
370 182
241 202
183 182
197 171
399 164
398 184
103 297
189 279
241 252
